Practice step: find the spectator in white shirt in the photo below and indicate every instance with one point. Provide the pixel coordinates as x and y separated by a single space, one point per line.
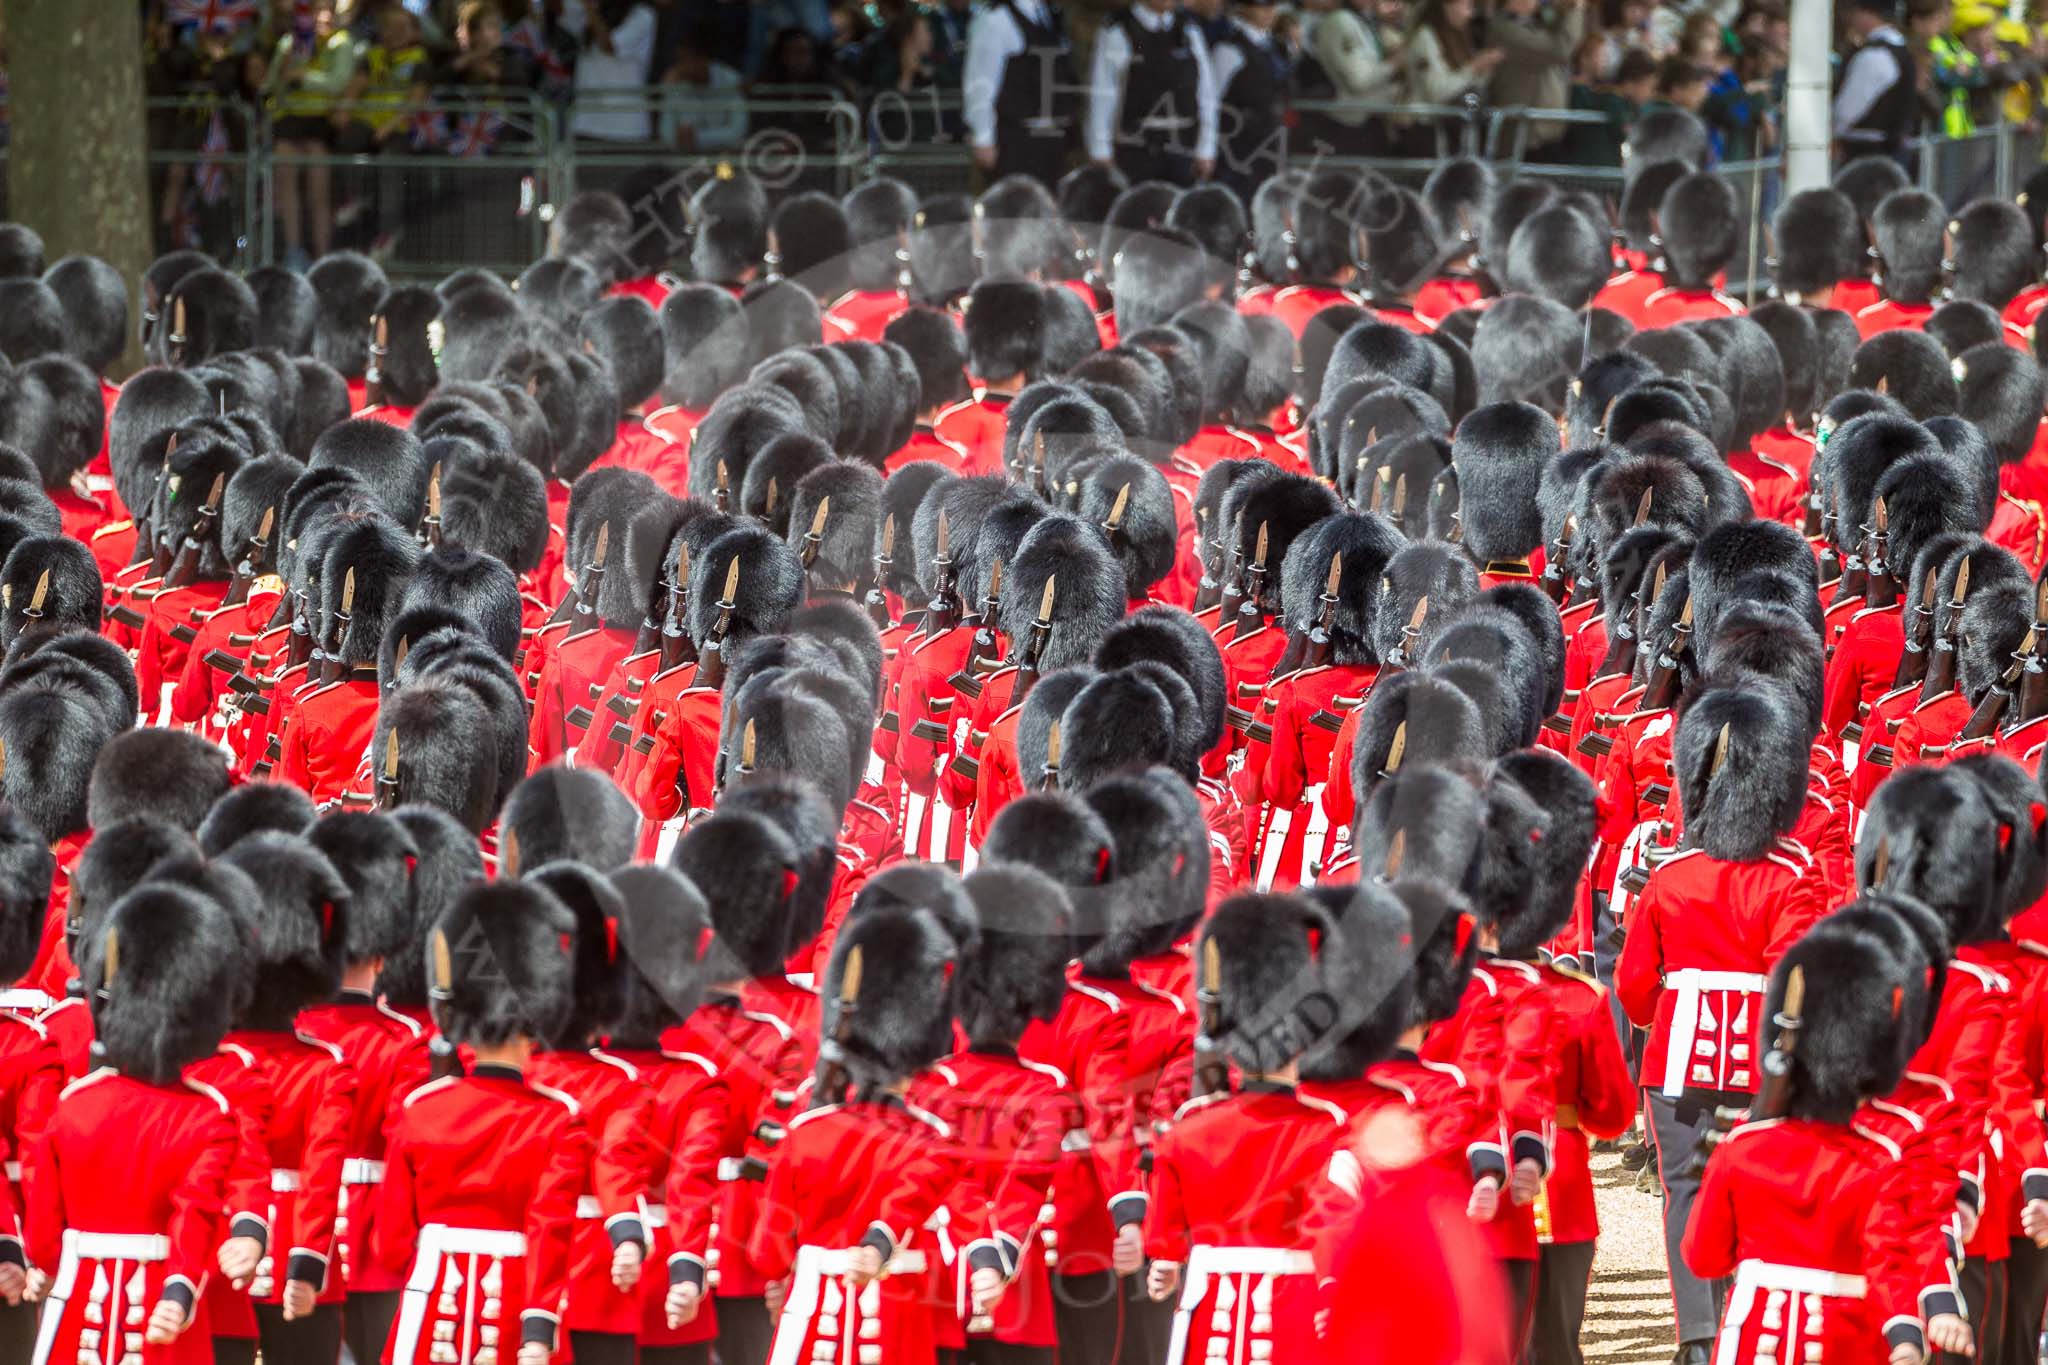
618 48
1152 96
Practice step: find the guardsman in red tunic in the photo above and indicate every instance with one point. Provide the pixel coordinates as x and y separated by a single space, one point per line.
1305 704
1005 323
939 351
1500 460
349 287
1709 925
332 722
251 521
94 298
1797 1204
405 355
1228 1229
1953 857
705 350
31 1069
616 1107
752 875
879 215
1894 462
482 1170
858 1182
1322 253
299 943
1697 220
185 529
1088 1041
664 930
610 600
1262 518
386 1048
1907 245
1642 262
127 1203
626 334
1018 1123
1821 247
56 415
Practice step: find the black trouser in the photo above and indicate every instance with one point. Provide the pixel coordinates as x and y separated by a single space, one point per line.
1675 1126
700 1354
1561 1279
1043 158
2026 1284
987 1351
603 1348
17 1331
1984 1295
1154 158
311 1340
366 1323
1088 1315
745 1331
234 1351
1148 1323
1521 1305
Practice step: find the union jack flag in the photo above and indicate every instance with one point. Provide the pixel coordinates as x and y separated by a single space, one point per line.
525 36
475 134
212 16
426 129
210 176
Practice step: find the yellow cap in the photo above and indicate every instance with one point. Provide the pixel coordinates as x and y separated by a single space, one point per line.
1969 18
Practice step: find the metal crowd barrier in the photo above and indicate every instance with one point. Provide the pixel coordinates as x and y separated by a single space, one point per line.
472 177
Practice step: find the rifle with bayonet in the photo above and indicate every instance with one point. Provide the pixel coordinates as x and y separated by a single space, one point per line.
676 647
814 536
2033 684
982 657
1984 721
387 776
1212 1065
1233 579
1034 648
1880 585
942 613
185 568
1403 653
255 559
1326 616
711 658
1920 634
1250 616
590 582
331 666
1554 583
430 520
1049 775
1661 689
833 1073
877 601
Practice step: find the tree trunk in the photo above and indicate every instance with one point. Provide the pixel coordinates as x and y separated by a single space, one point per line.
75 162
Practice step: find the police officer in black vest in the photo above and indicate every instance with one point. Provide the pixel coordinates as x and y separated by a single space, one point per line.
1152 95
1022 98
1251 85
1876 105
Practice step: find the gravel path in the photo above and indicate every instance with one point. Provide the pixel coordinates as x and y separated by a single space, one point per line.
1628 1309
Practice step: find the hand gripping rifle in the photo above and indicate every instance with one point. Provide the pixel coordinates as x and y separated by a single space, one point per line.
185 568
255 558
1984 721
1212 1066
1880 585
877 601
430 521
1250 617
833 1074
1034 648
1662 688
1555 585
711 659
675 641
942 613
331 666
1403 653
591 581
387 778
2033 690
1920 636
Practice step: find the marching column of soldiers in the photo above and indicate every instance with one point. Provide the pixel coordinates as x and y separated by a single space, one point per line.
1103 776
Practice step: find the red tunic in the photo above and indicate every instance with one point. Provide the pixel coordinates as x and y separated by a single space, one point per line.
1019 1127
1089 1042
231 631
1446 294
1233 1176
975 425
640 447
571 682
927 444
850 1174
1627 292
862 313
1298 303
675 424
481 1180
31 1074
617 1109
1853 296
313 1109
1596 1098
617 703
681 767
1886 316
391 415
1671 306
1797 1212
655 289
1863 666
326 735
122 1159
388 1053
170 625
1730 921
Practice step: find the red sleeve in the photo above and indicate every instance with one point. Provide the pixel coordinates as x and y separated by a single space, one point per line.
1167 1234
1607 1092
1286 766
248 1181
1103 1083
1800 905
701 1115
772 1243
35 1103
551 1224
192 699
149 661
626 1157
1339 799
1527 1072
1026 1185
395 1231
996 784
1639 972
1842 691
291 764
545 736
310 1239
956 782
194 1226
